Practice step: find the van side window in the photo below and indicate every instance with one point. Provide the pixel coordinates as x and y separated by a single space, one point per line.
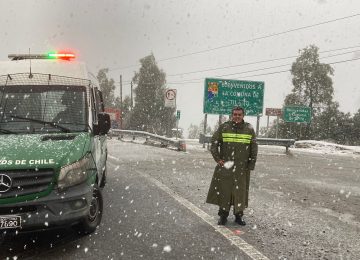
95 110
99 100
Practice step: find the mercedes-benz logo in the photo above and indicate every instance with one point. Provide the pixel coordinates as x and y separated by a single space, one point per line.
5 183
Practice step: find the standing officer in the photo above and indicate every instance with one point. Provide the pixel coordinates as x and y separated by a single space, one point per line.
234 148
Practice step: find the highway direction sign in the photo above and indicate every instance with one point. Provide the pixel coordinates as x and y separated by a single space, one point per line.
299 114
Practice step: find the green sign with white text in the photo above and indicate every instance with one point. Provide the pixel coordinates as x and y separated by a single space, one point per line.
297 114
221 95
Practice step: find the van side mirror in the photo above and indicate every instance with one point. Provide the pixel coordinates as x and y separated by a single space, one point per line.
103 125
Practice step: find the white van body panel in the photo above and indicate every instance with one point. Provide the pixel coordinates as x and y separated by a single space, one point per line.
58 67
74 69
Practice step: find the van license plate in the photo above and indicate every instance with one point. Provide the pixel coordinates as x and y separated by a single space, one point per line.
10 222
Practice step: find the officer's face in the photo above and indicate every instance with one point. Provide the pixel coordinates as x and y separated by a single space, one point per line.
237 116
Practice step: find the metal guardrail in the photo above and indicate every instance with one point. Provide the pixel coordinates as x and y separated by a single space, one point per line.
261 141
163 141
273 141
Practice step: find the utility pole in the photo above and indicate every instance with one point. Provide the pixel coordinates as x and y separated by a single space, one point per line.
121 104
131 95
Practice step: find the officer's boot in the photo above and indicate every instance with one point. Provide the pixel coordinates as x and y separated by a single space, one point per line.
223 217
239 219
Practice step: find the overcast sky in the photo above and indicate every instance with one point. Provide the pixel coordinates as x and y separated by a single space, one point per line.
116 34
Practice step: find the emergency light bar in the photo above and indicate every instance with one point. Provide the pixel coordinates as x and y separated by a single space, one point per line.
61 55
52 55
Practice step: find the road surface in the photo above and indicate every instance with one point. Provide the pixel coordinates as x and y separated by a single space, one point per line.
302 206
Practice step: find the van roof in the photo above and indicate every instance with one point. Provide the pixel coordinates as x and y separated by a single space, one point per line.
57 67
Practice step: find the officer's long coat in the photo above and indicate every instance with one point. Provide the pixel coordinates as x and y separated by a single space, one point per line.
232 142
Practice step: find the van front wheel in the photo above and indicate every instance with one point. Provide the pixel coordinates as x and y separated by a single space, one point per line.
93 218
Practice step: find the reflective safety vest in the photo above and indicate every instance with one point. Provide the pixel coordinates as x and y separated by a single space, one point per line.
235 142
236 138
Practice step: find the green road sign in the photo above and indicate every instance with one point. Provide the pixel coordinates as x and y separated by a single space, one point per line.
299 114
221 95
178 114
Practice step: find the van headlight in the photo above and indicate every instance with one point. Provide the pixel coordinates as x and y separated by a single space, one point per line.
75 173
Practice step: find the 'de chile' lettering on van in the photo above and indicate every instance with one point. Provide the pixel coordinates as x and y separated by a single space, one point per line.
42 161
30 162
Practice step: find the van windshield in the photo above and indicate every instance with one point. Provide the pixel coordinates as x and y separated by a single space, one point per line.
42 109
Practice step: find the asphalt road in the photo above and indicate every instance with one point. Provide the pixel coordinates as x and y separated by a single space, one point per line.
302 206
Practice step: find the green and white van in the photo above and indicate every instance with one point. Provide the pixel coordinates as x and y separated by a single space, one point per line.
52 144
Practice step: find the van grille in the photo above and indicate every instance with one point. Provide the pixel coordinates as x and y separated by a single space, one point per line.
25 182
17 210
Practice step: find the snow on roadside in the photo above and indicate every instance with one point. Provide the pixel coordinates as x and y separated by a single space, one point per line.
325 147
310 146
193 144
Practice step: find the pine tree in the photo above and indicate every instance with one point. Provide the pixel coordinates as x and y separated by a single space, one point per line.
355 135
313 87
107 86
149 113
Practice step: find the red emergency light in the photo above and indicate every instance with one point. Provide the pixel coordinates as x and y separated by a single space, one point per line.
61 55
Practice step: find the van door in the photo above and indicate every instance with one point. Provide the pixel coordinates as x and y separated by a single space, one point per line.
99 140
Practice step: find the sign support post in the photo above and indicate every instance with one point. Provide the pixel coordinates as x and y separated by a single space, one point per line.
177 128
121 104
177 122
205 125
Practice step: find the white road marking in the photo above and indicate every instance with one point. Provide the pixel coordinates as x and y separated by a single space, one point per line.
227 233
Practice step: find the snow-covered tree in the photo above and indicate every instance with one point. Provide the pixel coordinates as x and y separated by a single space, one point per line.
149 113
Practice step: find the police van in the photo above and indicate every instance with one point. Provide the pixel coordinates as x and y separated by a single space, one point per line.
52 144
